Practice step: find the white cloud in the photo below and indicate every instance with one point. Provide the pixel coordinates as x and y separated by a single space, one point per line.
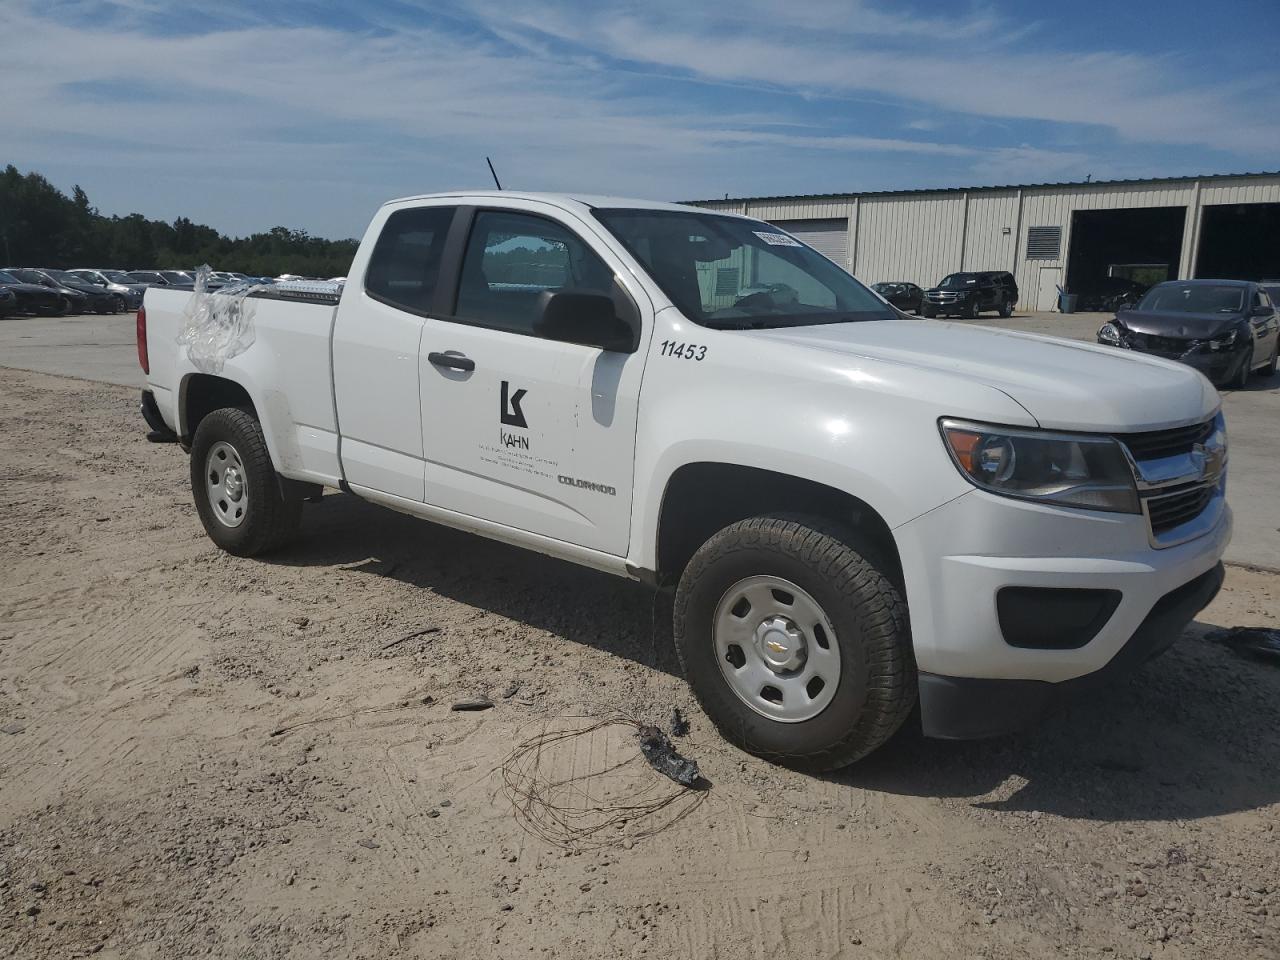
309 125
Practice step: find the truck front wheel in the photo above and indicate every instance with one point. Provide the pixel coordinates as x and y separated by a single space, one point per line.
795 643
238 494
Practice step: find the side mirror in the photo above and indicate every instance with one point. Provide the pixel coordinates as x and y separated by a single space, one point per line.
589 318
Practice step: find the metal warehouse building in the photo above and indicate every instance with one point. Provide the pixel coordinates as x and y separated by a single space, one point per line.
1048 235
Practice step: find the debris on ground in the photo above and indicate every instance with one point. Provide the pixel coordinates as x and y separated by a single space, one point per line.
662 756
615 801
368 844
13 728
511 689
409 636
1257 642
473 703
679 725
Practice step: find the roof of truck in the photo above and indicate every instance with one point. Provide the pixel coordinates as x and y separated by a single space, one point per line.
566 200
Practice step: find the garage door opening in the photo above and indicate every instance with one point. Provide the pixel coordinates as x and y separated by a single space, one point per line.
829 237
1239 241
1116 254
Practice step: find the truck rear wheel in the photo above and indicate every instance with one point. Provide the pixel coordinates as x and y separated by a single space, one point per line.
795 643
239 496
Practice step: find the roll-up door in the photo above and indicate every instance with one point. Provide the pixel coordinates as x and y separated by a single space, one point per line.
829 237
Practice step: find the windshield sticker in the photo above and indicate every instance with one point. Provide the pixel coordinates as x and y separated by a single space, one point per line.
777 239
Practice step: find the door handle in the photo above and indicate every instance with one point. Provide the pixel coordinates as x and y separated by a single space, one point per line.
453 360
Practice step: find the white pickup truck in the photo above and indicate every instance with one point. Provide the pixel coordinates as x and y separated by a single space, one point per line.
858 511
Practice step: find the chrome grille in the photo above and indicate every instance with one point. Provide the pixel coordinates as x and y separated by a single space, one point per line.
1165 443
1180 477
1171 510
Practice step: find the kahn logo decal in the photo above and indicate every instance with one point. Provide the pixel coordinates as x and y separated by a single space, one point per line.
509 440
512 415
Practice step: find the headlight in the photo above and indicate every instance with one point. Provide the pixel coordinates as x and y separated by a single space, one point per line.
1110 333
1076 470
1224 342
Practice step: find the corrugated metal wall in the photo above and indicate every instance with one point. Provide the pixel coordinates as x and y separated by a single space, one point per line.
917 240
922 237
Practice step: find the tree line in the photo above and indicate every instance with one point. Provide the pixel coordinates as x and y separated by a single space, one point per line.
40 226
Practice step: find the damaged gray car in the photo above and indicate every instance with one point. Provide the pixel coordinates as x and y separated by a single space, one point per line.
1226 329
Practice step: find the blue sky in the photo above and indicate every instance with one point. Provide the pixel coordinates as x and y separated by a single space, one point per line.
309 114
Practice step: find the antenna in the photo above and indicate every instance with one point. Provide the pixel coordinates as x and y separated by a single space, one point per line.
491 171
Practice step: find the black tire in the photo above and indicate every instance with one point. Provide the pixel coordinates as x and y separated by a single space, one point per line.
929 312
877 687
973 311
1006 309
272 516
1241 379
1270 369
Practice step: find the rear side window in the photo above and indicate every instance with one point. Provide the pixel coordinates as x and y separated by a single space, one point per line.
512 258
405 262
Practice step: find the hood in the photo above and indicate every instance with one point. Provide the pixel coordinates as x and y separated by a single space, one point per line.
1183 326
1063 384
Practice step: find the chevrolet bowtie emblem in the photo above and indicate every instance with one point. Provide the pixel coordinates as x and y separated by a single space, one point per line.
775 647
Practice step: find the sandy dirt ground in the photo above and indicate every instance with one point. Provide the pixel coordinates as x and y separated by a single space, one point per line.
208 756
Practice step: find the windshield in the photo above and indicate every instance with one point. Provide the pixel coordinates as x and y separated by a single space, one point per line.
734 273
175 276
8 278
146 276
960 280
31 276
118 276
64 276
1193 298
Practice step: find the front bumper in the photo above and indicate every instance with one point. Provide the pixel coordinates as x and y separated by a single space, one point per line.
1218 365
968 708
957 558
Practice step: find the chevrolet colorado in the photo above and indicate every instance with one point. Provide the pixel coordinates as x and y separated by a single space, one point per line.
857 511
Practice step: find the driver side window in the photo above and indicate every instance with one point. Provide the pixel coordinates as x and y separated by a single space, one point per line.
512 258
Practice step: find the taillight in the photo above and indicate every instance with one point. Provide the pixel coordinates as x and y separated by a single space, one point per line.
143 359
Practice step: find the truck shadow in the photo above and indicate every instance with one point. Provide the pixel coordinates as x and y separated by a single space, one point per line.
607 612
1195 733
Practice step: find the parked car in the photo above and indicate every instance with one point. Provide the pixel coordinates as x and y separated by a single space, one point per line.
178 277
149 278
33 297
93 299
969 294
902 294
798 463
101 300
1226 329
74 301
117 281
1109 294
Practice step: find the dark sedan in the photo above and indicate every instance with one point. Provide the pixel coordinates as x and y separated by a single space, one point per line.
33 297
1226 329
83 296
101 300
904 295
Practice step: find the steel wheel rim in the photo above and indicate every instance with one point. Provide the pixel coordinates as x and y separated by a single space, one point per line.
226 484
776 649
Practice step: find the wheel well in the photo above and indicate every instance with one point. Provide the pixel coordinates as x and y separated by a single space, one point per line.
203 394
704 498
